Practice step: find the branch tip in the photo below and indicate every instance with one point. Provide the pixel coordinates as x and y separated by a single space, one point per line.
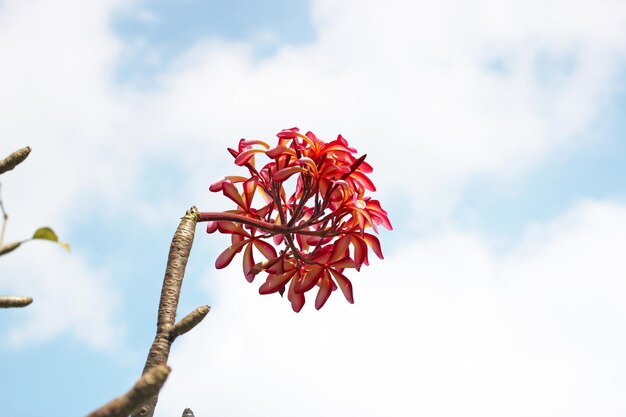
9 301
9 247
14 159
190 321
192 213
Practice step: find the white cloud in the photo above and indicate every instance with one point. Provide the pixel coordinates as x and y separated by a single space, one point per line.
444 327
408 83
56 96
70 298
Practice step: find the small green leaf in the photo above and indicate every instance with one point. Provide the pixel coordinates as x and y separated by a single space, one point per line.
46 233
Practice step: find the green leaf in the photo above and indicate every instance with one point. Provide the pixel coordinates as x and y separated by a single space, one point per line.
46 233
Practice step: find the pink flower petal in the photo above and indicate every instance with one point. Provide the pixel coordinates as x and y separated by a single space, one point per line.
285 173
280 150
265 248
363 179
344 285
249 187
231 192
297 302
309 279
248 263
263 211
288 133
308 162
211 227
344 142
232 228
297 299
366 168
340 249
360 251
343 263
324 292
368 218
373 242
228 254
217 185
245 156
249 142
278 239
276 282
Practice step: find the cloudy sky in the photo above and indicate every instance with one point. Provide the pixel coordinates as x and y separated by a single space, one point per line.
496 132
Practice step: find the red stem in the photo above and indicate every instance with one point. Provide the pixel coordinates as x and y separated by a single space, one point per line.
259 224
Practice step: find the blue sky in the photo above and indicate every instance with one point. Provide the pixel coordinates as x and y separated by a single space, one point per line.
496 134
593 170
166 29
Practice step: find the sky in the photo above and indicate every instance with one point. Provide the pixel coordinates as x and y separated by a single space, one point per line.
496 133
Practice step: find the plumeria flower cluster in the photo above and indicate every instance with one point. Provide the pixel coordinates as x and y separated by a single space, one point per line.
306 238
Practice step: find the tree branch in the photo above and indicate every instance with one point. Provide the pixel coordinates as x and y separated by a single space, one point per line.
9 247
8 164
170 295
188 322
167 328
148 386
5 218
9 301
14 159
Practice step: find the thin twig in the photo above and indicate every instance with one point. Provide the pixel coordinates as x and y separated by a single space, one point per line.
148 385
14 159
170 294
10 301
190 321
5 217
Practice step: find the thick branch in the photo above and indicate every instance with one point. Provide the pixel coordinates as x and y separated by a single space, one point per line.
9 301
170 294
188 322
14 159
148 385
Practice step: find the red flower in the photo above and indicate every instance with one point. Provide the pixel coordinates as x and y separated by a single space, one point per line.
319 228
